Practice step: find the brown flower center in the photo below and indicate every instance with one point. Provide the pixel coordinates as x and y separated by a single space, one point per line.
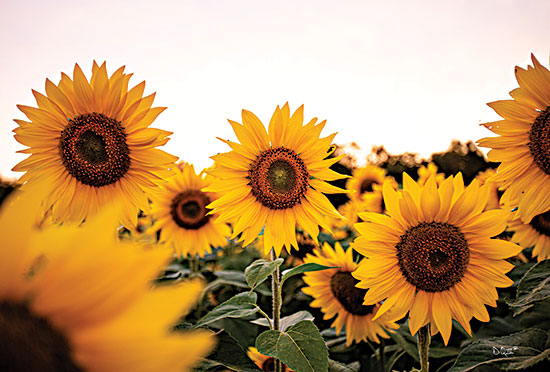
279 178
367 185
94 150
305 245
433 256
541 223
342 285
188 209
539 140
30 344
269 365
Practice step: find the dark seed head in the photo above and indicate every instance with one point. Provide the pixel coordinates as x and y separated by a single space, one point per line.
279 178
367 185
188 209
541 223
350 297
30 344
433 256
539 140
94 150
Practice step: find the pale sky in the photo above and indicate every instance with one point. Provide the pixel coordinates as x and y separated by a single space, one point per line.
409 75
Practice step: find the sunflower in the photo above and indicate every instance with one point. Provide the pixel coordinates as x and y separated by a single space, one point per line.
335 293
534 234
264 362
483 178
425 171
306 245
7 186
179 207
523 145
93 143
368 181
79 312
433 255
275 180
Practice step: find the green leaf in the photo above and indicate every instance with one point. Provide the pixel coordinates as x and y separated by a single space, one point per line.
444 352
334 366
533 288
240 306
301 347
287 321
304 268
510 353
258 271
230 354
235 283
403 338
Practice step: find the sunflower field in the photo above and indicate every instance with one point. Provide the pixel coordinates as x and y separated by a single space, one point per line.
289 253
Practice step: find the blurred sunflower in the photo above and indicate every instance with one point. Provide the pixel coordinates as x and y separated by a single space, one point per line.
306 246
365 189
92 142
534 234
335 293
483 178
264 362
273 181
7 186
433 255
523 145
61 311
349 211
367 181
424 172
179 207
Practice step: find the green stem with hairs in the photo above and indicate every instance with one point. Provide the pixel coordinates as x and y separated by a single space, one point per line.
277 299
424 346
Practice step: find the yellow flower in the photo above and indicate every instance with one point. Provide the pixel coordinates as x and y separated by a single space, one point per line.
264 362
7 186
534 234
424 172
92 142
494 197
432 255
306 245
367 181
335 293
275 180
179 207
91 310
523 145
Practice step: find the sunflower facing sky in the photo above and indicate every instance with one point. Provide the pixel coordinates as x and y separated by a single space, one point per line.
91 140
61 311
432 255
335 293
523 145
179 208
275 179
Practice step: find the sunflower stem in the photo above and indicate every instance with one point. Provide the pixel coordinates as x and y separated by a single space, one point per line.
382 359
424 346
194 264
276 292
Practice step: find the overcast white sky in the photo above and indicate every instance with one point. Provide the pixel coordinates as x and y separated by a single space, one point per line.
409 75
